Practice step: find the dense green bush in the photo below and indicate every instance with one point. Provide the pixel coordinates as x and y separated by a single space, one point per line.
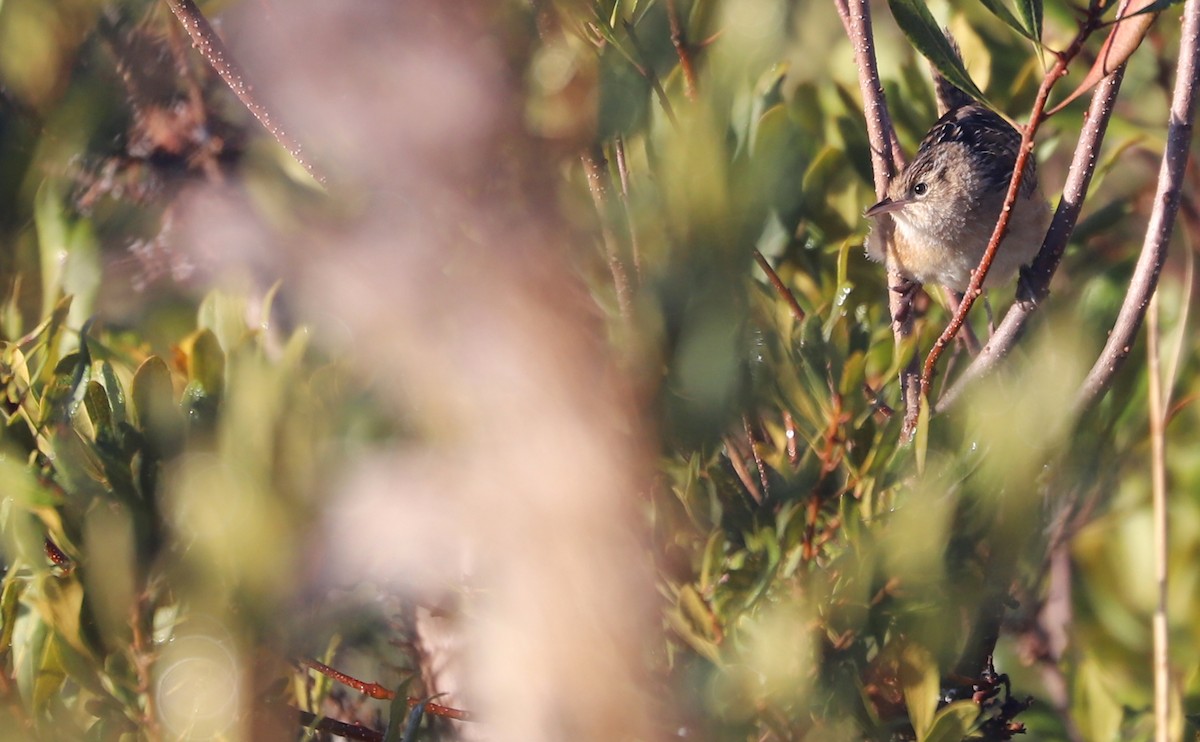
177 432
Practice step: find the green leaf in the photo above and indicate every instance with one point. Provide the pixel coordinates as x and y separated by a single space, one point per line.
919 680
1031 17
224 313
693 623
922 29
1001 11
397 712
9 605
115 393
953 723
50 222
19 484
67 251
153 395
206 362
95 399
1135 20
48 673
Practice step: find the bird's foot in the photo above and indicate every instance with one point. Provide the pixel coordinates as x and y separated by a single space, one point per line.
1028 295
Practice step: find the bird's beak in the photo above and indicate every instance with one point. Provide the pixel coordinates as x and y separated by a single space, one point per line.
886 206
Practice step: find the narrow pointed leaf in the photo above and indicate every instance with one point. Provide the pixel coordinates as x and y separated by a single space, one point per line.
953 723
919 682
1001 11
1031 17
922 29
1136 17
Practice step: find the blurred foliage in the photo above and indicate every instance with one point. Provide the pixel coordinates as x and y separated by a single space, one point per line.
821 581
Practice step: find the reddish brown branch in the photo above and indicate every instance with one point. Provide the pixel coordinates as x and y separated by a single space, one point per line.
375 690
679 41
143 662
784 292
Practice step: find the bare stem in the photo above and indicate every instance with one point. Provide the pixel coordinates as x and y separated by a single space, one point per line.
646 71
780 287
1162 217
679 40
623 171
886 160
1158 479
210 46
377 691
596 168
758 462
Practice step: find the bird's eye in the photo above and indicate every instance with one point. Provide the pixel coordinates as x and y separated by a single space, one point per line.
920 189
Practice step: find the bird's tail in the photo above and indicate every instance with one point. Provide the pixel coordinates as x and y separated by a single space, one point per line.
949 95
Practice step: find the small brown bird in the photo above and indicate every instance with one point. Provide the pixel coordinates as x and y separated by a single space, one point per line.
943 207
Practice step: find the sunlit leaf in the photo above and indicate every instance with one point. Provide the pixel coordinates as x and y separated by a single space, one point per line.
953 723
919 678
1133 21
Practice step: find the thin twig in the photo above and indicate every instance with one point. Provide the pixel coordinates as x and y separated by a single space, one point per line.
143 662
734 455
780 287
648 72
968 337
210 46
1158 479
1162 218
623 172
679 40
758 462
1037 278
1036 116
789 426
595 166
375 690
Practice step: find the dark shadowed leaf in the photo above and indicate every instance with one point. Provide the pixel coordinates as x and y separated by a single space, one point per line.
922 29
1001 11
1031 17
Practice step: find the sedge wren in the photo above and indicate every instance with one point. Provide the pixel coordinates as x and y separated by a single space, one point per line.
944 206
